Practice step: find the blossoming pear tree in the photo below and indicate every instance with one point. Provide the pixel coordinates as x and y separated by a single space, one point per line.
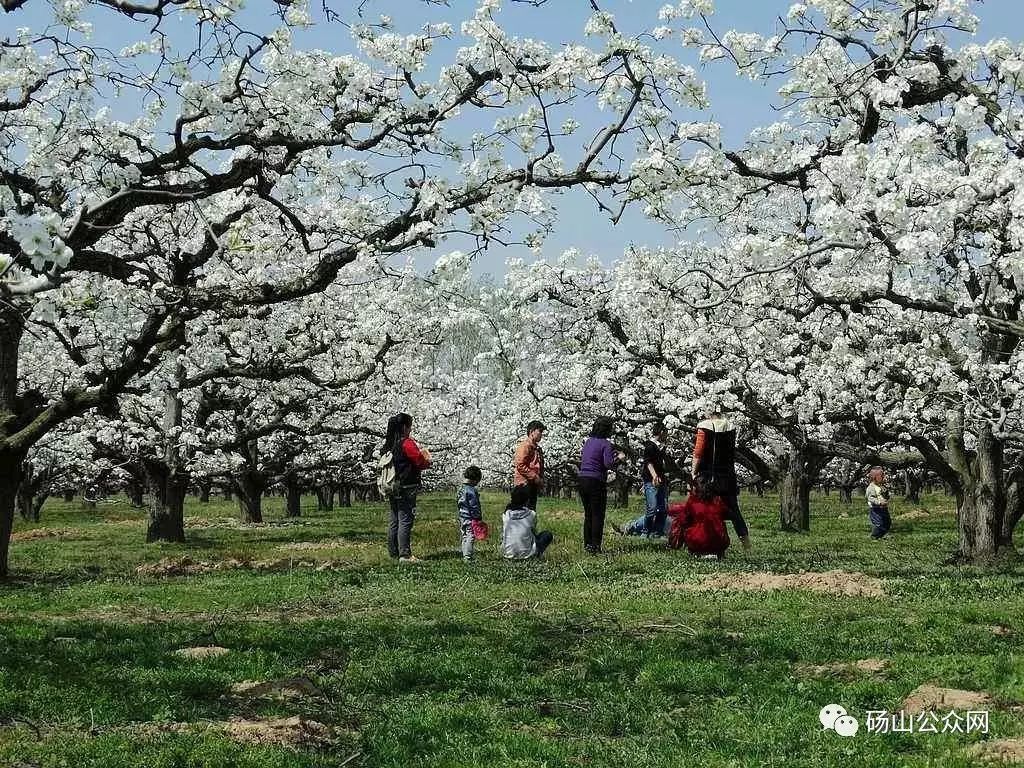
184 176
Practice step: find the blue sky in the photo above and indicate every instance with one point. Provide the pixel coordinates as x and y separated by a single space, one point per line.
737 104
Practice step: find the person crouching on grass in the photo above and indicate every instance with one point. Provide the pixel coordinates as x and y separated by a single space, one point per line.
470 515
699 523
519 537
878 503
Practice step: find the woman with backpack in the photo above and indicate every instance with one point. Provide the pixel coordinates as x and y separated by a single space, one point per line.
714 454
408 462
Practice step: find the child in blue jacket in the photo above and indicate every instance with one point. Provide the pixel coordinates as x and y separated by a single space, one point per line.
469 510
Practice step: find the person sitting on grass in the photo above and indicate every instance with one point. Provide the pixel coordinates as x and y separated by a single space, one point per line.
469 511
638 525
519 537
699 523
878 503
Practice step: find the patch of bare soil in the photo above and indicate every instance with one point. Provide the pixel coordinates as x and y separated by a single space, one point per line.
296 731
36 534
201 652
847 583
928 697
197 522
186 566
1000 750
286 688
914 514
1000 630
313 546
845 668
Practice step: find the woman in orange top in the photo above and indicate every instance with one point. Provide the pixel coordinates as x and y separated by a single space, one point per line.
714 454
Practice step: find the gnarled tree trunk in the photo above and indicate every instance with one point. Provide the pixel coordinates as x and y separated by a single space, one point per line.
166 478
135 493
912 482
166 503
12 326
325 497
293 497
345 495
982 501
10 477
795 493
250 484
1014 507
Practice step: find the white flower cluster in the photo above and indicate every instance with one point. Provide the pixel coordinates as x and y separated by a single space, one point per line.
39 238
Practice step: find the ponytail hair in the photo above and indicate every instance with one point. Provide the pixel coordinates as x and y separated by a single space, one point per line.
396 424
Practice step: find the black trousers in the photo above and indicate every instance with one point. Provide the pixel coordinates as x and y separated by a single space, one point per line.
732 503
532 490
543 541
594 495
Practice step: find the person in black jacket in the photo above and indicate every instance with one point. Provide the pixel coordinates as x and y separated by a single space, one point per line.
409 461
653 473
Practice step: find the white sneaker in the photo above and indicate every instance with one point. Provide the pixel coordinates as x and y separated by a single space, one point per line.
410 559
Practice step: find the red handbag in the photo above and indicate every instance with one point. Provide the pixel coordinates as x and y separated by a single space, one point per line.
480 529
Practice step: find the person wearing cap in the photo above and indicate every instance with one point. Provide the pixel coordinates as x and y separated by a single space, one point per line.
528 464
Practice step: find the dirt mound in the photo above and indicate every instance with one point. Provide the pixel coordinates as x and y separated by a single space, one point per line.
843 668
928 697
186 566
197 522
286 731
201 652
915 514
828 582
35 534
291 732
1000 750
286 688
1000 630
313 546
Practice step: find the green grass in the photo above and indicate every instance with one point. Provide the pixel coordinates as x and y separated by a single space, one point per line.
569 661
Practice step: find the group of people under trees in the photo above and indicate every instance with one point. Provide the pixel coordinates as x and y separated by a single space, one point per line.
698 523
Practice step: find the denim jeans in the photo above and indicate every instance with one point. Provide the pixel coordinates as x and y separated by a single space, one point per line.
656 504
403 514
881 521
467 541
638 526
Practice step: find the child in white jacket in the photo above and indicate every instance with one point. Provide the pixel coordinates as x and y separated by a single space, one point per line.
878 503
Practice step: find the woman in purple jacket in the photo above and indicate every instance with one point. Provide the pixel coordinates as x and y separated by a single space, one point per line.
599 456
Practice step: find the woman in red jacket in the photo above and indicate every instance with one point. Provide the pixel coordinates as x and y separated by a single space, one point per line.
699 524
409 461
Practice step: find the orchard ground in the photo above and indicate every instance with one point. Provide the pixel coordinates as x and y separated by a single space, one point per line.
610 661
